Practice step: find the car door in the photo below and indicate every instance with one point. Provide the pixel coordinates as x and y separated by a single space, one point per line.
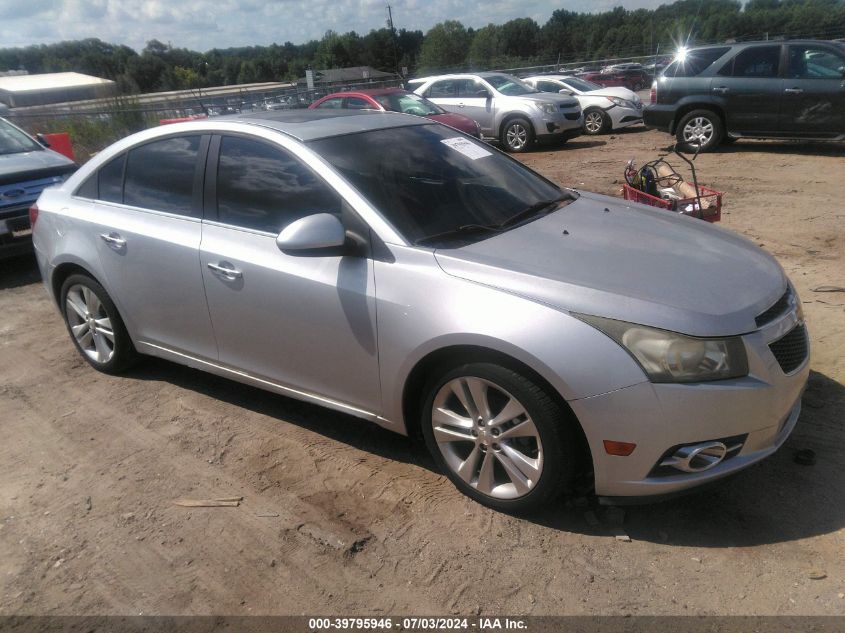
447 93
751 88
148 204
477 102
302 321
813 102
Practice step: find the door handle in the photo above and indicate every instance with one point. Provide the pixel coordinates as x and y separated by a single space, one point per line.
721 89
113 239
794 91
231 273
460 105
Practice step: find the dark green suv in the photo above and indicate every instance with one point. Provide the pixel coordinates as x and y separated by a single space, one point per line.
776 89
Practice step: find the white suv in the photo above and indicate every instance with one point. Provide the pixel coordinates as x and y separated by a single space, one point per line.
506 108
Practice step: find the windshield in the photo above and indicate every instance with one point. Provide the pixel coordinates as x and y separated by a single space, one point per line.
408 103
581 84
510 86
13 141
428 180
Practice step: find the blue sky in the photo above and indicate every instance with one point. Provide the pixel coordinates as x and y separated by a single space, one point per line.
205 24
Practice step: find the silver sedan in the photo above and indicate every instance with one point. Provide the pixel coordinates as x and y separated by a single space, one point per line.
397 270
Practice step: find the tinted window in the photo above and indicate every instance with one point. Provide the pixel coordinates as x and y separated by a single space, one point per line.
425 180
409 103
581 84
509 85
548 86
695 62
757 61
160 175
814 62
110 180
13 141
448 88
333 103
356 103
262 187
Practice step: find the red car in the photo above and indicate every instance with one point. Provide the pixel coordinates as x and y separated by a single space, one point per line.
398 100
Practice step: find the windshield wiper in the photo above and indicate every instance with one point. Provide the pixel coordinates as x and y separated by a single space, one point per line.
464 229
544 205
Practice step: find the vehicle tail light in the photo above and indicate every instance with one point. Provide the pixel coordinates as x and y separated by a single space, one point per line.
33 215
653 94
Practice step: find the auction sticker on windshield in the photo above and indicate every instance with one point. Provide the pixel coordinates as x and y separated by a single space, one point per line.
466 147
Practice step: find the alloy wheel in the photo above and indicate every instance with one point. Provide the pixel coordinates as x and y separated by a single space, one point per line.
698 131
516 135
89 323
594 121
487 437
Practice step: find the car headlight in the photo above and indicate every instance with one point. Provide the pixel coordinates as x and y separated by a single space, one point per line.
548 108
622 103
671 357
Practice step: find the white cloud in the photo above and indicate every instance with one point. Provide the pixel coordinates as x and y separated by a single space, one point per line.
205 24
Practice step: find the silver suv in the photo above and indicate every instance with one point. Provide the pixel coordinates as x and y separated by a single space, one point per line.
506 108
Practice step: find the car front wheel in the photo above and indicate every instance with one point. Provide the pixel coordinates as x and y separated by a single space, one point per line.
699 130
596 121
517 135
499 437
95 325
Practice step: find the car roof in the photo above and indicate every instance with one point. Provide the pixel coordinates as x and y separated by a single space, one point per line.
370 92
777 42
309 125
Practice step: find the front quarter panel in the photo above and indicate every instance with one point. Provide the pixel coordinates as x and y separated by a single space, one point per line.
422 309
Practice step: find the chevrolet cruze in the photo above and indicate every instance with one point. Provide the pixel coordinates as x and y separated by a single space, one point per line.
397 270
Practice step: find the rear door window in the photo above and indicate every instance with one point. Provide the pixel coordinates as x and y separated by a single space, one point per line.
110 180
332 104
357 103
160 175
757 61
810 61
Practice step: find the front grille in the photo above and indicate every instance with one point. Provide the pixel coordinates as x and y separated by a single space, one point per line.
780 306
573 116
791 350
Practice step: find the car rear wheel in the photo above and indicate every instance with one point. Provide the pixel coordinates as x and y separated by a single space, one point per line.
596 121
699 128
517 135
499 437
95 325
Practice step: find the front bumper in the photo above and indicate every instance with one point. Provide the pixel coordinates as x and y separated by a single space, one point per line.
659 116
762 408
625 117
563 124
15 232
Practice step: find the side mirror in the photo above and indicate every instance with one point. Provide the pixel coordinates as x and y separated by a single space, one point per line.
318 231
42 139
564 91
483 94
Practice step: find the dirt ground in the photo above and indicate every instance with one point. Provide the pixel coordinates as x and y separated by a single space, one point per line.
341 517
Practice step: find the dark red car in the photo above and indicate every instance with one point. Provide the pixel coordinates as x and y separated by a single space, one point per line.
633 79
398 100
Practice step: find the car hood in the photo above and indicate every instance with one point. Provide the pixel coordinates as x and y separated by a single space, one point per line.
457 121
622 93
25 166
561 100
604 257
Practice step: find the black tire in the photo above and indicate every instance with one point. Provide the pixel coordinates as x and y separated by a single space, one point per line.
123 354
596 121
517 135
709 126
557 447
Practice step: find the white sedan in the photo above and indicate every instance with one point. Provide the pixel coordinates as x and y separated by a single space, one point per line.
605 109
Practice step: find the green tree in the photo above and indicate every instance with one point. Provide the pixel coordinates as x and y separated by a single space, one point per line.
445 46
